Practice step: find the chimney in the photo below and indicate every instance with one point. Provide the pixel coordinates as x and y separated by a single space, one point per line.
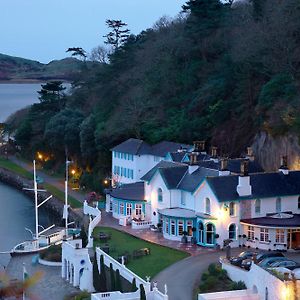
244 188
224 167
193 162
214 152
199 146
250 154
284 165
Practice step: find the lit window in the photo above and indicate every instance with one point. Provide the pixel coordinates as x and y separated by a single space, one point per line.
180 227
264 235
189 228
207 206
278 204
159 195
172 227
257 206
138 209
167 225
128 209
232 232
232 209
121 208
251 233
280 236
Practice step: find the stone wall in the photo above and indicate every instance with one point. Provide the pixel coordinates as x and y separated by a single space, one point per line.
55 206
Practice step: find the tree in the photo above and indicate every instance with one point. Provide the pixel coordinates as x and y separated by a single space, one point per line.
112 278
83 237
118 34
96 275
78 51
133 285
103 275
100 54
118 281
142 292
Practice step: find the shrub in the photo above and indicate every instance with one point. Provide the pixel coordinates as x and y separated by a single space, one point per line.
53 253
214 269
204 276
240 285
209 283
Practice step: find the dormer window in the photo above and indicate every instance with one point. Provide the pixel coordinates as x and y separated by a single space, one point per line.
232 209
207 206
278 205
159 195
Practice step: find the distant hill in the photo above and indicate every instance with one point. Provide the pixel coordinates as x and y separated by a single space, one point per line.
19 69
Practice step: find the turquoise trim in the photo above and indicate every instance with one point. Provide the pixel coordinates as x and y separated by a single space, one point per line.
204 235
119 201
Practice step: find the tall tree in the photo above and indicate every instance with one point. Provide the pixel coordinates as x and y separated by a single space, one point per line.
118 281
78 52
133 285
118 34
142 292
96 276
112 278
103 275
83 236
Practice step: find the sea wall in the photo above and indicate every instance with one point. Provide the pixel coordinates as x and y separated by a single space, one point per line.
55 206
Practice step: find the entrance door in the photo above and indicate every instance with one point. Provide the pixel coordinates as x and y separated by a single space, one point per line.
200 233
296 240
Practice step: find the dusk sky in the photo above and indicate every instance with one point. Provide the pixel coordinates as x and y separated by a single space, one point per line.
43 29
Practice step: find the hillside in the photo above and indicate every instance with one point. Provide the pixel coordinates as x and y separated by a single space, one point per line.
16 68
221 73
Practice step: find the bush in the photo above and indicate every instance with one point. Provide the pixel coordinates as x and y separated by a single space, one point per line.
240 285
204 276
53 253
214 269
209 284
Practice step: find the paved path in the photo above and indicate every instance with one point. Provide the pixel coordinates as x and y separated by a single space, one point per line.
55 181
50 287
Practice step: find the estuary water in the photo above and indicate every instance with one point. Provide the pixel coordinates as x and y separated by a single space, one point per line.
16 96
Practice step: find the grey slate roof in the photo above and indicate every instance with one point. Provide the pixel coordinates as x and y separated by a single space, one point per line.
132 191
177 156
178 212
264 185
139 147
233 165
276 222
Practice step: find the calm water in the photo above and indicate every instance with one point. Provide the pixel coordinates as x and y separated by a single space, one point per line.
16 213
16 96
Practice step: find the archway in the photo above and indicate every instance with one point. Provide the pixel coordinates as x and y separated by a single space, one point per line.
201 233
210 234
80 274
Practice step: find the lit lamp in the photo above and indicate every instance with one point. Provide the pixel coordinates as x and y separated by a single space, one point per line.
105 181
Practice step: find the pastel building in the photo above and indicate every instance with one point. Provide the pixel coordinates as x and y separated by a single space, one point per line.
214 201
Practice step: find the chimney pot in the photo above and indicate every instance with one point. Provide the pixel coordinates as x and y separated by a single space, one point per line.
224 164
244 168
199 146
193 158
214 152
284 165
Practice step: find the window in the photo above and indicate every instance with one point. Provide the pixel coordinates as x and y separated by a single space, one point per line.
232 209
122 155
128 209
138 209
278 205
279 236
207 206
115 154
232 232
121 208
159 195
115 169
125 172
299 202
172 227
180 227
189 228
210 234
264 235
115 207
121 171
257 206
167 225
251 233
183 198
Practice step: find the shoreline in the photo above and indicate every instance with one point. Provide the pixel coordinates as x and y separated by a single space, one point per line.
31 81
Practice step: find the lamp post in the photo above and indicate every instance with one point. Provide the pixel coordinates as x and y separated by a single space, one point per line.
68 162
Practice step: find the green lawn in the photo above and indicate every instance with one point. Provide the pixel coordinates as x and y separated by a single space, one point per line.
9 165
61 195
160 257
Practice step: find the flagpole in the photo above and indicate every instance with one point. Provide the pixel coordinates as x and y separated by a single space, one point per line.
36 206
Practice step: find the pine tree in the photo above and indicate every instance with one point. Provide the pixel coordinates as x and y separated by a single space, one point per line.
133 285
102 275
118 281
112 278
96 275
142 292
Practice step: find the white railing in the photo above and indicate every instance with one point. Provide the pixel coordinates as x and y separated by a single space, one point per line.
140 224
89 210
116 296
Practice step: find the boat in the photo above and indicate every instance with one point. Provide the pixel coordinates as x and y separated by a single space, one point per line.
52 235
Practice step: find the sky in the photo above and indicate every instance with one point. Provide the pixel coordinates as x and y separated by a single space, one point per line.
43 29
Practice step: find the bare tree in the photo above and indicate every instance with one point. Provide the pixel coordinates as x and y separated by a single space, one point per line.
100 54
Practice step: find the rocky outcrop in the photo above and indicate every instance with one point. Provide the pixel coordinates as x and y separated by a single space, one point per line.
268 150
54 205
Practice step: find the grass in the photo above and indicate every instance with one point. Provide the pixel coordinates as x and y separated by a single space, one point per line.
61 195
9 165
160 257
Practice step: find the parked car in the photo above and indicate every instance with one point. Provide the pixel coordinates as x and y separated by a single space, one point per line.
290 264
246 263
267 262
237 261
265 255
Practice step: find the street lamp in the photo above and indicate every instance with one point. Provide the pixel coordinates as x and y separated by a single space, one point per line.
65 216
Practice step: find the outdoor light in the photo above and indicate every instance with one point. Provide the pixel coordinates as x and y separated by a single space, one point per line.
105 181
73 172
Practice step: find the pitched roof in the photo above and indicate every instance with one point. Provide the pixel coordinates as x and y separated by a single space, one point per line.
132 191
273 220
139 147
178 212
177 156
264 185
234 165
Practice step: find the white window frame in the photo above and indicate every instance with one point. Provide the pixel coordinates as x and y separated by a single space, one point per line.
121 208
207 206
279 236
180 227
189 227
250 233
183 198
128 209
257 206
231 209
138 208
264 235
173 227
